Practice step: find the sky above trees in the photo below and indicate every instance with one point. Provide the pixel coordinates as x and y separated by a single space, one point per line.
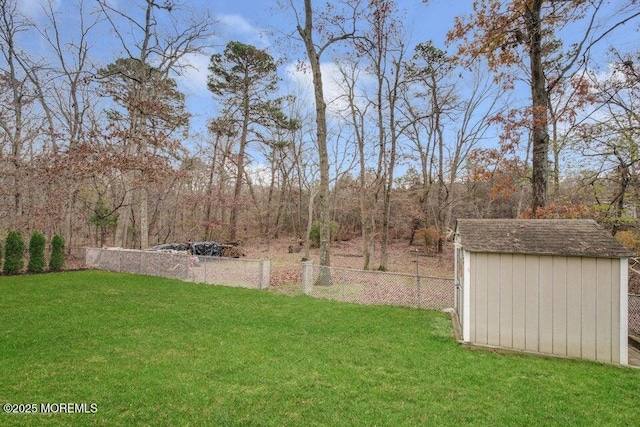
260 23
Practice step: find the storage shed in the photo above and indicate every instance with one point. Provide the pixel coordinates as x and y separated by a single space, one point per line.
550 286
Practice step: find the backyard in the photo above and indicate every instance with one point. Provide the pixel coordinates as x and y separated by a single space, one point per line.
152 351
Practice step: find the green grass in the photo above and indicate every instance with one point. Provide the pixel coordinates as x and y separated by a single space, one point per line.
152 351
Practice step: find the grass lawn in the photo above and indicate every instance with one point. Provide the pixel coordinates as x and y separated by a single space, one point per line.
151 351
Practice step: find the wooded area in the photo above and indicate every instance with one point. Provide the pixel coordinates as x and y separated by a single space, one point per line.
98 147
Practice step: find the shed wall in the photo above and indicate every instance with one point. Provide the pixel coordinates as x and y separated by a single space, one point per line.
566 306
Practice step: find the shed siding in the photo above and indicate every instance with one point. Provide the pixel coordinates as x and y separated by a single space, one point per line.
532 301
480 298
588 315
567 306
545 306
559 285
615 310
574 306
603 310
519 313
493 299
506 300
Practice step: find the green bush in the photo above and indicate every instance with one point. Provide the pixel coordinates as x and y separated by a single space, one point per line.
56 262
14 253
36 253
314 234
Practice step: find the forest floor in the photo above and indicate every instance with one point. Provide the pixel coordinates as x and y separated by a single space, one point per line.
286 267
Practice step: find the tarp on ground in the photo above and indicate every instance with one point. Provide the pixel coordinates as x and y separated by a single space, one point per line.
206 249
171 247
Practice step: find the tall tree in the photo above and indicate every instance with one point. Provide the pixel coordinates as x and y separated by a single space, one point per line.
608 138
357 117
244 78
430 67
17 95
383 46
153 110
505 32
152 58
318 34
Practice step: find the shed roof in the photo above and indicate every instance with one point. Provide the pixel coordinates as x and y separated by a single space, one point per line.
570 237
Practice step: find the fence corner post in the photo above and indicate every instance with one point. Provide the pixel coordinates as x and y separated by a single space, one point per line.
307 277
265 273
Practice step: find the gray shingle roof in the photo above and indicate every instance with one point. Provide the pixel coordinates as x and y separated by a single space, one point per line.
573 237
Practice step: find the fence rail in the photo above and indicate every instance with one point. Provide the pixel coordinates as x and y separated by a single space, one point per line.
377 287
239 272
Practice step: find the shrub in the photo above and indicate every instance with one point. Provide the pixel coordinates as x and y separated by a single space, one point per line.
36 253
428 235
56 262
629 239
14 253
314 234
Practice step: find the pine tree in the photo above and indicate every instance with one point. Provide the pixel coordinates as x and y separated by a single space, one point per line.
56 262
36 253
14 253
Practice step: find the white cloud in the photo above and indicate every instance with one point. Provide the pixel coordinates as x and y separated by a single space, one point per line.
235 27
335 92
34 8
194 78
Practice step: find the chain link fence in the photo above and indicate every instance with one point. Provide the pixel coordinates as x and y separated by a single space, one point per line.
240 272
634 314
377 287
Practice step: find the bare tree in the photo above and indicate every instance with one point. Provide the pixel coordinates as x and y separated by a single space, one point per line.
150 54
17 125
609 136
356 114
504 32
318 35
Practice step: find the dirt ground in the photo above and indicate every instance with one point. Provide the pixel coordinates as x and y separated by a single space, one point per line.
286 267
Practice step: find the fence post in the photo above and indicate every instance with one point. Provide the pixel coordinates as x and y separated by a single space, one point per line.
265 273
307 277
417 280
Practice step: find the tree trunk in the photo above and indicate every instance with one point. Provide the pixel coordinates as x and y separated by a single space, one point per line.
233 220
321 134
540 106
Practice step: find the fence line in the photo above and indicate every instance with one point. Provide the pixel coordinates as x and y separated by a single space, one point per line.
634 314
239 272
377 287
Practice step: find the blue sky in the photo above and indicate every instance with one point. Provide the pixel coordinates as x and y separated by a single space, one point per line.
251 21
248 21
